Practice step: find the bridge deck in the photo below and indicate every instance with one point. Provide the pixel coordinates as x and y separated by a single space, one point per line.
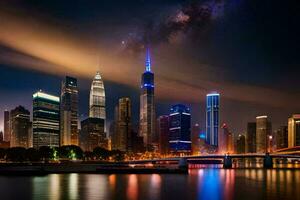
216 156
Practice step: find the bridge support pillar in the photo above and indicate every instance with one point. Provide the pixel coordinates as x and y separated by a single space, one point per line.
227 162
183 164
268 161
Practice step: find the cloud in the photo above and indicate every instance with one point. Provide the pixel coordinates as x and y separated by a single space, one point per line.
39 46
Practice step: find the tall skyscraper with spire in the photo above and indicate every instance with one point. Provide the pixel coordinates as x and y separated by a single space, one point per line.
147 107
93 128
97 98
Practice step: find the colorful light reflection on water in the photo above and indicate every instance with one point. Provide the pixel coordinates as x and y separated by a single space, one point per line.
211 184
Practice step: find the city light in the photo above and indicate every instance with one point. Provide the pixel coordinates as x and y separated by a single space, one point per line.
261 117
202 135
149 100
213 94
45 96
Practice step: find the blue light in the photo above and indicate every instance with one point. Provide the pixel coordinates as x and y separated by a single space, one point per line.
148 85
202 136
148 61
210 184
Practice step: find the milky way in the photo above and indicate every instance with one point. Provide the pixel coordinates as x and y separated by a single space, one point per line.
188 21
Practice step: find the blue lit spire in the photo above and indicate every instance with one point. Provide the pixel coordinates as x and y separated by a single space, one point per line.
148 60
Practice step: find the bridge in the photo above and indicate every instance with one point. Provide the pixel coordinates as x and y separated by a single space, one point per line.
289 151
226 159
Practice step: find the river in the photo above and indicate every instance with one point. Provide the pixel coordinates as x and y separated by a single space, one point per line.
206 184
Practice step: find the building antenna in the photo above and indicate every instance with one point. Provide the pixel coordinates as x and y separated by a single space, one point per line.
147 57
98 65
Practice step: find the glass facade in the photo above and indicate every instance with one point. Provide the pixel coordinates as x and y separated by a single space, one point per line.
195 139
294 131
263 131
6 126
92 134
212 118
251 137
163 132
147 107
20 127
97 98
46 120
69 112
281 136
180 129
123 138
241 144
225 144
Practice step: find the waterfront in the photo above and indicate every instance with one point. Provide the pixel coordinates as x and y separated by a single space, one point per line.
210 184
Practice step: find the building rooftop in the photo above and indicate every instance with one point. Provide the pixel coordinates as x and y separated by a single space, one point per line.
43 95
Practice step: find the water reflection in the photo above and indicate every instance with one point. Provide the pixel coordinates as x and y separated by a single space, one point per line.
112 181
95 186
277 182
40 186
46 186
209 184
54 188
155 185
200 184
229 183
132 187
73 186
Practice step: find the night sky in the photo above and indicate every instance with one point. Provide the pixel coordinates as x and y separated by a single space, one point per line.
247 50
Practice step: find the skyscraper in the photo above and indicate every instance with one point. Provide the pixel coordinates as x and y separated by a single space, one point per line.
69 112
263 131
46 120
92 134
212 118
281 137
97 98
114 136
251 137
294 131
195 139
163 134
147 107
6 126
124 142
180 129
1 136
241 144
225 140
20 127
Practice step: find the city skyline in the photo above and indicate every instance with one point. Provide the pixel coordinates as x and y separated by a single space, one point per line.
226 61
52 119
160 99
194 119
